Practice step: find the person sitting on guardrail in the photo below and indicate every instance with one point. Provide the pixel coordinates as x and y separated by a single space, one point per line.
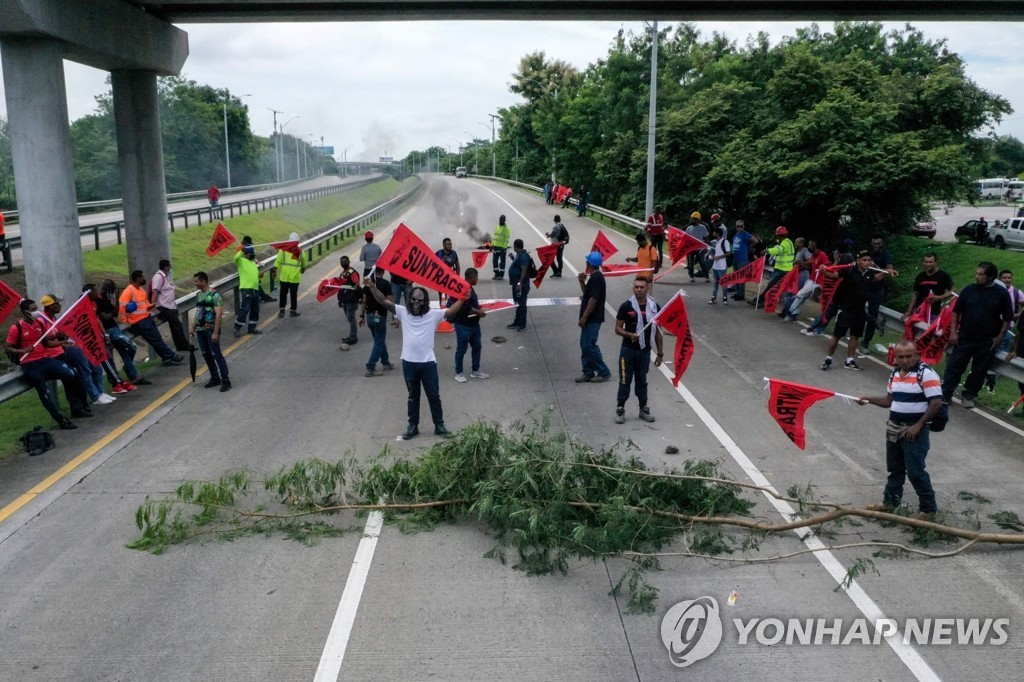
248 290
106 308
289 274
118 385
43 362
1017 301
92 375
163 297
135 311
5 249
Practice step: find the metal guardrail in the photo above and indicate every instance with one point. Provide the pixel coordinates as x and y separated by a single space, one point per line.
1012 370
12 216
244 206
11 384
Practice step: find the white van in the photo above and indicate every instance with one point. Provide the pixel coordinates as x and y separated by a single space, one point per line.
992 188
460 172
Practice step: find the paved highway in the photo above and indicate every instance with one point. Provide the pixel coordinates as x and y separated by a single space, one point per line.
87 220
77 605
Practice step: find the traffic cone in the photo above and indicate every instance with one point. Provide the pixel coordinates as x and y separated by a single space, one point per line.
444 326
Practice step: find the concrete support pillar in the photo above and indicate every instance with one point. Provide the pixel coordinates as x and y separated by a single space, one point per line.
44 175
140 158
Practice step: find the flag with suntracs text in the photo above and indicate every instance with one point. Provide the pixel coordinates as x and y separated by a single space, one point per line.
408 256
82 324
748 273
787 403
546 256
674 319
480 258
9 300
680 244
790 284
603 246
220 240
828 289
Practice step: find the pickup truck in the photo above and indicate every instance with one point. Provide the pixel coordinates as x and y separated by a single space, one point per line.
1009 234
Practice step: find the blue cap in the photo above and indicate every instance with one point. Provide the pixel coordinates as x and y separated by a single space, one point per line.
249 248
594 259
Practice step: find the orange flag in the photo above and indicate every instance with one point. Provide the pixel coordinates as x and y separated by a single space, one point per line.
748 273
480 258
291 247
220 240
790 284
680 244
787 403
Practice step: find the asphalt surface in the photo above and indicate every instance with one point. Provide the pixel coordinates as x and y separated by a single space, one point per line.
78 605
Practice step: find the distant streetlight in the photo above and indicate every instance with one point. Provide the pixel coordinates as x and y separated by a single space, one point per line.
277 141
296 147
494 165
227 149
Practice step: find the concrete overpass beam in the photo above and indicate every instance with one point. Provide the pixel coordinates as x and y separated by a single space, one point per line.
44 175
141 162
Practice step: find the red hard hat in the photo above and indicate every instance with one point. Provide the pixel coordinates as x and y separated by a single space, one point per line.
781 231
369 234
715 216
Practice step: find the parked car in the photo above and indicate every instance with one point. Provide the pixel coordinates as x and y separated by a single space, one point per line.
1009 234
460 172
969 231
925 228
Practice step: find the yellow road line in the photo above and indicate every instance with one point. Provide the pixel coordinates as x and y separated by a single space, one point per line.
90 452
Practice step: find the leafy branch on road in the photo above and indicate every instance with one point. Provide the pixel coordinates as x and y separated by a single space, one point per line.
547 499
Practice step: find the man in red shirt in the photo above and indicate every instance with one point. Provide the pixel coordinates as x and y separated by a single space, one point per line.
213 194
655 230
44 362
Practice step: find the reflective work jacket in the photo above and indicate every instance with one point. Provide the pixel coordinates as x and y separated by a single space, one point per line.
502 237
289 268
785 254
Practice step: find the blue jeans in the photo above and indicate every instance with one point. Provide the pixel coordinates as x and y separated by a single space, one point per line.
85 370
423 374
593 362
520 301
210 349
739 290
719 274
806 291
467 337
400 292
820 323
248 309
126 348
149 333
786 299
633 367
905 459
38 372
378 326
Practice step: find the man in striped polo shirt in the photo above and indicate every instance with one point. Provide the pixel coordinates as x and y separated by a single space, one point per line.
913 398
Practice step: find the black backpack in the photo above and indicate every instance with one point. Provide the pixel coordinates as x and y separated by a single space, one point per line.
15 358
531 269
563 234
37 441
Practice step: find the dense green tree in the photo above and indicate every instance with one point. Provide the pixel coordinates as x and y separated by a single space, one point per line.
7 195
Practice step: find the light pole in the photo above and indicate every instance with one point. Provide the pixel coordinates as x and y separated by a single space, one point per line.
651 121
494 163
344 155
227 149
282 144
277 153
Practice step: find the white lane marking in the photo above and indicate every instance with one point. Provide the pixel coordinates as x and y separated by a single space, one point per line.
910 657
345 616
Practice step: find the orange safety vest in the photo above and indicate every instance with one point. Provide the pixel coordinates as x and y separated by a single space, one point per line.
137 294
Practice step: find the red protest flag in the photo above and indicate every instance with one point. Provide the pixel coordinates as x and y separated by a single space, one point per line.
9 300
932 344
922 313
407 256
787 403
480 258
291 247
327 288
494 306
603 246
674 319
546 255
680 244
748 273
828 287
220 240
790 284
623 269
82 324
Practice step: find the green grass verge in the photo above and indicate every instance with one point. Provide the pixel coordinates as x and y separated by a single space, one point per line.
188 254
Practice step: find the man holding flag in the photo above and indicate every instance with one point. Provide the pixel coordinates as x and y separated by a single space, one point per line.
851 297
635 325
913 398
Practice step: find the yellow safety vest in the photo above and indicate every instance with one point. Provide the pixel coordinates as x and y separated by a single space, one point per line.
502 237
785 255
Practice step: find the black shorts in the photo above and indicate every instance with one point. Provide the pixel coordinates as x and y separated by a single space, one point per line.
852 321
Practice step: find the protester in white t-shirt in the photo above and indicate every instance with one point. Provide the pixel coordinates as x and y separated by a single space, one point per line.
419 365
719 263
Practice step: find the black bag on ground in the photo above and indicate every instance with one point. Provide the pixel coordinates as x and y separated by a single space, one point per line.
37 441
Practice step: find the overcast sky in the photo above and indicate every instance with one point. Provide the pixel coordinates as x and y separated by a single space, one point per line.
398 86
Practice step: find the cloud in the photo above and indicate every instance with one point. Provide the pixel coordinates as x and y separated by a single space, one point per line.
398 86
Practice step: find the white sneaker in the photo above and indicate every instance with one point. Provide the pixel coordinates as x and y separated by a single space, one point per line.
461 378
104 399
479 375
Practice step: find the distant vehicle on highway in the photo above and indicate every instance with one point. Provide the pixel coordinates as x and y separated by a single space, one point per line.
1009 234
460 172
925 228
